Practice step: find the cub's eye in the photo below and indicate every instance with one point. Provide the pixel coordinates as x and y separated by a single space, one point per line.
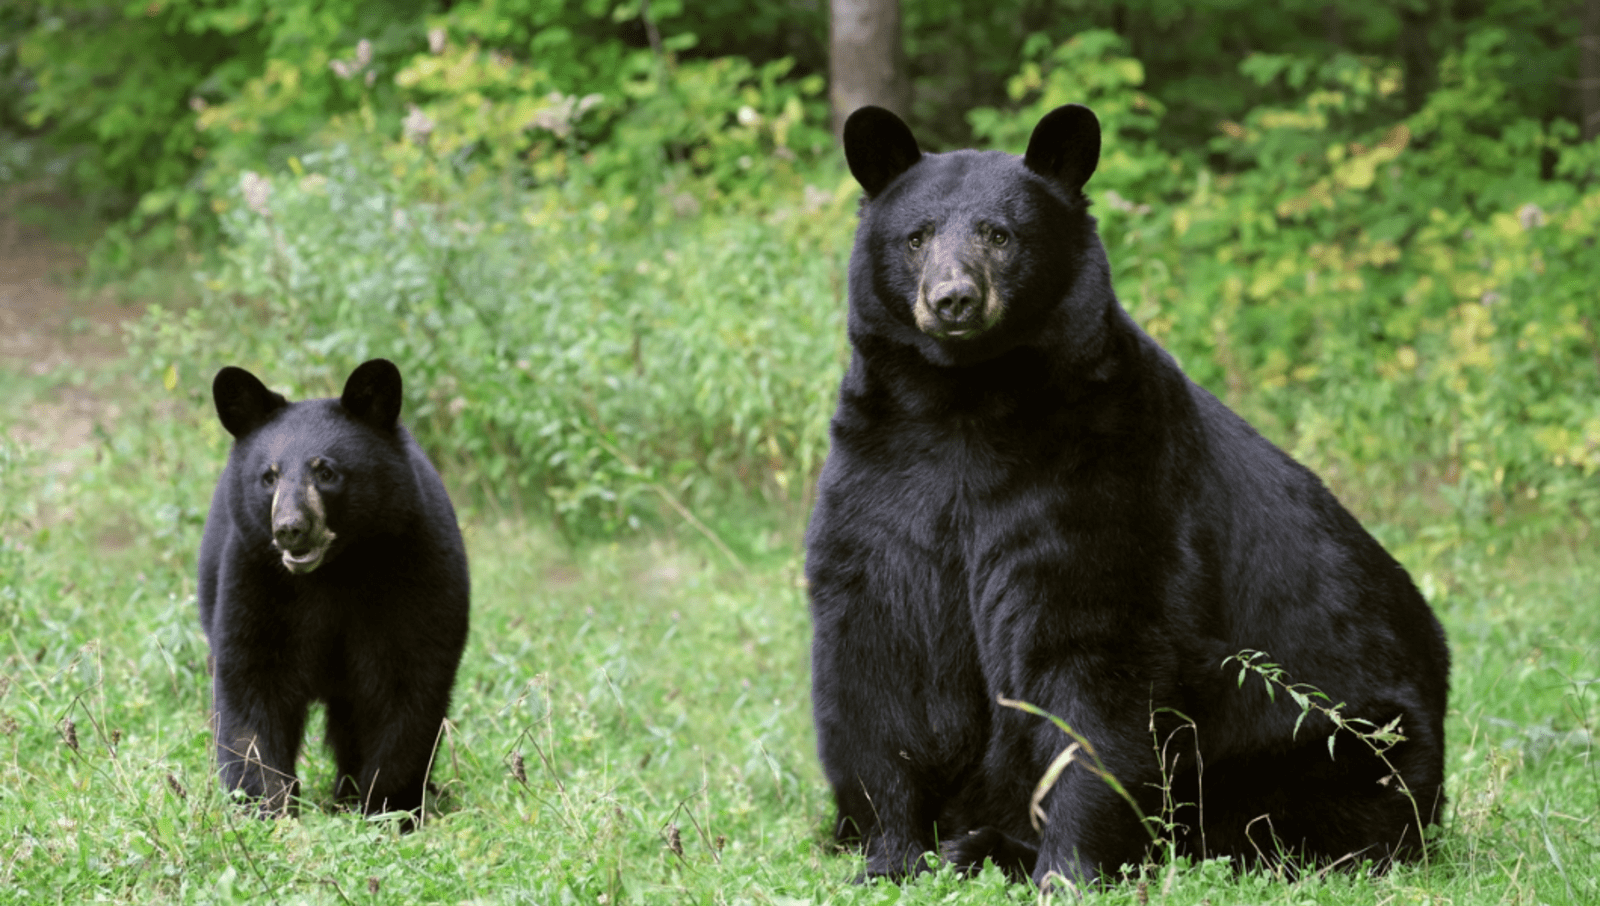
269 478
998 238
323 474
915 242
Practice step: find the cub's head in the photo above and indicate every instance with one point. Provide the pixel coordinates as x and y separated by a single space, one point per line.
312 476
966 254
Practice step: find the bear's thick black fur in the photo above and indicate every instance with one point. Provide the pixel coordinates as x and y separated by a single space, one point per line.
1026 498
331 570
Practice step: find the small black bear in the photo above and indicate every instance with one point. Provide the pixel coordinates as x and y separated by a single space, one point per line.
331 569
1027 499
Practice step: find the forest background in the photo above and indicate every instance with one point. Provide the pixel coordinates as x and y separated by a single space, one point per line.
606 242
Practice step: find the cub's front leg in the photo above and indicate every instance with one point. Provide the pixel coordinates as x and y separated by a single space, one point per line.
258 732
384 746
259 692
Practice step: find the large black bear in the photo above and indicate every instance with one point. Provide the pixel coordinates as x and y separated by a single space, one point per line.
331 569
1027 499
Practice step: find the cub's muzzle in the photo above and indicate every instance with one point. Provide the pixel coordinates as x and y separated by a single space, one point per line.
300 522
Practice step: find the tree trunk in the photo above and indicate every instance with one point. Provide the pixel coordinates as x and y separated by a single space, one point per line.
1417 63
1332 25
866 62
1589 70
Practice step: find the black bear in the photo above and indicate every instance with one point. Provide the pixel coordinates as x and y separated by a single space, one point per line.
1027 499
331 570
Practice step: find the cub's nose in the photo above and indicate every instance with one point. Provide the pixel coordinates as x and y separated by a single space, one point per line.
291 532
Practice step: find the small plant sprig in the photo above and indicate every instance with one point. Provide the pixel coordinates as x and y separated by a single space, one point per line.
1068 755
1309 699
1081 746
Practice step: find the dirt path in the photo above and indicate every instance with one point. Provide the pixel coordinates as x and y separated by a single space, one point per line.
54 332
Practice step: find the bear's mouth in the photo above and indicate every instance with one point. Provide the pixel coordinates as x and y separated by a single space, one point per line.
305 559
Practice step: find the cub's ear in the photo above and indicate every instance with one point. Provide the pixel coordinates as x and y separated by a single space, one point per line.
243 402
373 393
1065 146
878 146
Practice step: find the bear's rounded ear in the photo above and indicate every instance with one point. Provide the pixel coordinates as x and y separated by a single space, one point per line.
372 393
878 146
1065 146
242 401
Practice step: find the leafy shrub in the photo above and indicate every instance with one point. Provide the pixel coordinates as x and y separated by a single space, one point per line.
1092 68
169 100
172 101
1414 298
544 349
658 136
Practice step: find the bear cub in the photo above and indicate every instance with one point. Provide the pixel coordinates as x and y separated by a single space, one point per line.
331 570
1027 499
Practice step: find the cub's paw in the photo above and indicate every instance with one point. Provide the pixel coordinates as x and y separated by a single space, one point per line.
969 851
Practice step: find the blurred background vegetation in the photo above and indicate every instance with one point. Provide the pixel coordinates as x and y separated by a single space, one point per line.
606 240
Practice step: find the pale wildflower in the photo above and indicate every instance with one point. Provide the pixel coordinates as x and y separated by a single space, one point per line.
255 188
417 125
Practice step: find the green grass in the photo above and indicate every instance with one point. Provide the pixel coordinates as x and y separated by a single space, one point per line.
617 697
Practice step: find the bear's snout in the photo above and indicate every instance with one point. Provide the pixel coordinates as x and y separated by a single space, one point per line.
957 302
955 298
299 523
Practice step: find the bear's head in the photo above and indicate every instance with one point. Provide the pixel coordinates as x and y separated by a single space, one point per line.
967 254
311 477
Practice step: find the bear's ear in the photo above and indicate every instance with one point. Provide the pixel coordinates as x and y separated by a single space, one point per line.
373 393
242 401
1065 146
879 146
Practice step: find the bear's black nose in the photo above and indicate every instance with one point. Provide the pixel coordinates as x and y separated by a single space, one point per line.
957 302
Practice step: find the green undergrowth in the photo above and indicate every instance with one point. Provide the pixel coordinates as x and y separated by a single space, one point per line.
631 720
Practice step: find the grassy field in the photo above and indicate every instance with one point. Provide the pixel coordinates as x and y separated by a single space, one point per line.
631 720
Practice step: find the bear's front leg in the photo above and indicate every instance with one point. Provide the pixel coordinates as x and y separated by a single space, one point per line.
1090 826
258 737
880 806
890 771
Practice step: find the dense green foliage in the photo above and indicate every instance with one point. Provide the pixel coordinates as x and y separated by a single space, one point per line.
165 102
590 229
1408 305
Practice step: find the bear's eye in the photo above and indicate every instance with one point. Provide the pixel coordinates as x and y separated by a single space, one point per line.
998 238
915 242
269 478
323 474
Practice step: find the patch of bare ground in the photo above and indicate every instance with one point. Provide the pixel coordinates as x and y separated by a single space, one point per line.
54 332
